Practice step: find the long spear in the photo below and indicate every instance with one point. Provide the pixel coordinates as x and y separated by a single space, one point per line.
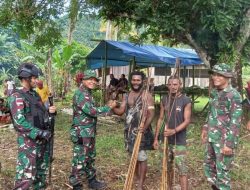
131 170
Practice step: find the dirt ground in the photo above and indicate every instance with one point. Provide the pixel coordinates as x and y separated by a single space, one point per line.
111 163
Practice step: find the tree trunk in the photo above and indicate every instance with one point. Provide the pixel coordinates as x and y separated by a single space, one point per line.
108 30
74 8
237 80
49 72
200 51
242 38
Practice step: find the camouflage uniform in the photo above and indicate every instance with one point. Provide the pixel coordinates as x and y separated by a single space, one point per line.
223 124
83 132
33 153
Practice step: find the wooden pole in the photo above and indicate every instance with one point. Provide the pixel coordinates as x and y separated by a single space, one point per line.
192 90
104 74
184 77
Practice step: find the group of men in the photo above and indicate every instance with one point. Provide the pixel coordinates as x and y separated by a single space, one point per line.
220 133
116 87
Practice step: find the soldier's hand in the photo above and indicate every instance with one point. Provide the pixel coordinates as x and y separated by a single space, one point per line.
227 151
156 144
112 104
203 136
52 109
44 134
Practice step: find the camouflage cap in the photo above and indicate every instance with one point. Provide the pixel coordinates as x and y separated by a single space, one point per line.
89 74
223 69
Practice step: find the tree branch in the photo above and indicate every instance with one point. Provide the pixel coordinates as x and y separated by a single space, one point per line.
244 32
121 15
201 52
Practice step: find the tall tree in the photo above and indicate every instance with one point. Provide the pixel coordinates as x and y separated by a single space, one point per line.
73 15
9 52
217 29
34 18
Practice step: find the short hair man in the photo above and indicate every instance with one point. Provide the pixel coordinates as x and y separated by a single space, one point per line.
122 85
29 116
221 131
10 86
83 132
175 112
111 87
132 105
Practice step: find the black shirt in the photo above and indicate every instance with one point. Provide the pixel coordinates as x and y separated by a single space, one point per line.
113 82
176 117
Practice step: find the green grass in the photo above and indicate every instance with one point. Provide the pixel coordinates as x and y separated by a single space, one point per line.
112 160
200 103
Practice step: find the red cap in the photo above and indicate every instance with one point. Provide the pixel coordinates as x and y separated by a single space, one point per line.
39 83
79 77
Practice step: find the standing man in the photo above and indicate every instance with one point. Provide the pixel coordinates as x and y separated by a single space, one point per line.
10 86
132 107
111 87
221 131
43 92
83 132
31 121
175 109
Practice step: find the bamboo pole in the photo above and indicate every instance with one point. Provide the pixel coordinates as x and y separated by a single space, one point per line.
131 171
164 176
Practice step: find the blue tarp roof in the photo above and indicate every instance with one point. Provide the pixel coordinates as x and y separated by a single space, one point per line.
121 53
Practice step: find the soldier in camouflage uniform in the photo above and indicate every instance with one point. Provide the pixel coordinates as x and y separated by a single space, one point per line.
30 121
83 132
221 131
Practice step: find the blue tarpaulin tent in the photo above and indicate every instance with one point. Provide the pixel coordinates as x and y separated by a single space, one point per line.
114 53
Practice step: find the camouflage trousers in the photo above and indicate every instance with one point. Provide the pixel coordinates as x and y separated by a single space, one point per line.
32 164
177 154
217 166
83 160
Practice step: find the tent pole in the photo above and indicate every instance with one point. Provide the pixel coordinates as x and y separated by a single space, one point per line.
130 68
184 77
133 65
104 73
165 75
193 74
193 89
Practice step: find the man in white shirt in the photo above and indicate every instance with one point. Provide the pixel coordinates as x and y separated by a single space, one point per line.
10 87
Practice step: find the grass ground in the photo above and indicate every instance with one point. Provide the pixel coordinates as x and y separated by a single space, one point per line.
112 161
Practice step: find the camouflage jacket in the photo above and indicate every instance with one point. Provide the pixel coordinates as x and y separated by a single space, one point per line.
85 113
224 117
21 113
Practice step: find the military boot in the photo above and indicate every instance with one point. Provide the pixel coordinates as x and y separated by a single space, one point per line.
77 187
94 184
214 187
